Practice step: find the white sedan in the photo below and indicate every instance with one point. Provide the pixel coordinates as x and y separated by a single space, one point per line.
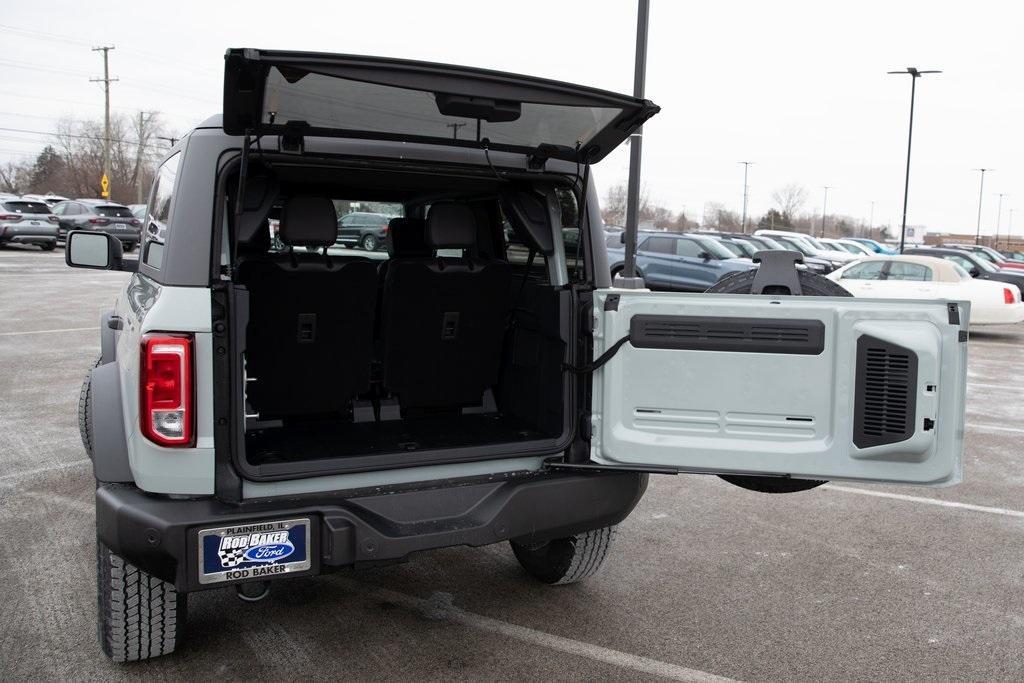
926 277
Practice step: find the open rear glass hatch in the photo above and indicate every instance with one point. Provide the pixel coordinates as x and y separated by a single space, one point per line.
308 93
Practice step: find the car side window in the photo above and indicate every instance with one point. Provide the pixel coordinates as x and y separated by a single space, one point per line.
660 245
685 247
872 270
160 211
909 271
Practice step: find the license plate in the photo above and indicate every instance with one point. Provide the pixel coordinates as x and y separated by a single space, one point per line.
259 550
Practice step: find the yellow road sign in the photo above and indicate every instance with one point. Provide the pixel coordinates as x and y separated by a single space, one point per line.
105 184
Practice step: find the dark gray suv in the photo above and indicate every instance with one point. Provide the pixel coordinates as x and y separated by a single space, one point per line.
99 215
263 412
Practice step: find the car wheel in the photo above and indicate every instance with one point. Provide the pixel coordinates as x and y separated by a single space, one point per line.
811 285
138 616
566 560
369 242
49 246
84 415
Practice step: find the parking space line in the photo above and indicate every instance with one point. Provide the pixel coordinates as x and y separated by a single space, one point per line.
994 428
440 607
66 329
927 501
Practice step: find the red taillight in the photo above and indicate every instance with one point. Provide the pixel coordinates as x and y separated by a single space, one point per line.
10 217
99 221
166 405
135 221
384 229
1008 297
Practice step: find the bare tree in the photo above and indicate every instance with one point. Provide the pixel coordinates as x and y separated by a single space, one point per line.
790 198
15 177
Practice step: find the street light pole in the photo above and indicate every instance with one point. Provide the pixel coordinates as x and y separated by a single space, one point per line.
999 217
1009 229
746 167
981 195
629 280
914 74
824 210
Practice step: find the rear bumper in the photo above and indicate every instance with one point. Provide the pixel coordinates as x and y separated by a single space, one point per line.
1004 314
28 234
159 534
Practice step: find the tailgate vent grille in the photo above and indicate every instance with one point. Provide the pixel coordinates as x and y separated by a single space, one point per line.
886 400
706 333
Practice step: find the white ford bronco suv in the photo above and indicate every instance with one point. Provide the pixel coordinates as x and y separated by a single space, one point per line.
271 404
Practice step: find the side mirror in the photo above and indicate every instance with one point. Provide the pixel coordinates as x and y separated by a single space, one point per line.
974 272
705 255
622 237
96 250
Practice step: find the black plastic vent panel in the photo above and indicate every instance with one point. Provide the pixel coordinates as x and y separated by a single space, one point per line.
706 333
886 400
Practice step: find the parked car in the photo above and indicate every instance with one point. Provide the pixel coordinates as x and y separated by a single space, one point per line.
805 248
855 248
874 246
362 229
99 215
48 199
679 262
975 265
1017 256
989 254
251 418
24 221
814 264
926 277
837 256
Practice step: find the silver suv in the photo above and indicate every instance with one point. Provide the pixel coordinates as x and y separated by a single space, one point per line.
263 412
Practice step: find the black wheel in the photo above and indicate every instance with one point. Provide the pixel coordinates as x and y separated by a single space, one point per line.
566 560
49 246
127 246
84 416
369 242
812 285
138 615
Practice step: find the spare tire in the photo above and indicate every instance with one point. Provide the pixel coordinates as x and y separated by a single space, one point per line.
812 285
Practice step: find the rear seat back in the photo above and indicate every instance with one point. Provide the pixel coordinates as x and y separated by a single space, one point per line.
443 318
310 335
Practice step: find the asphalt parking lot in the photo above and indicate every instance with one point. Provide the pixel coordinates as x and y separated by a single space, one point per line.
843 582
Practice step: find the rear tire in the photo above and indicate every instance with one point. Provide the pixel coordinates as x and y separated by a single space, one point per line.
566 560
49 246
811 285
127 246
84 416
369 243
138 615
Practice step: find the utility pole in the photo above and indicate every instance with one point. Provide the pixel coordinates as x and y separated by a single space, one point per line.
173 141
746 168
981 195
106 81
824 210
139 190
629 279
455 129
999 216
871 221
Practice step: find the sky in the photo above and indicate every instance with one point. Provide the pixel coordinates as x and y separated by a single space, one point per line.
798 88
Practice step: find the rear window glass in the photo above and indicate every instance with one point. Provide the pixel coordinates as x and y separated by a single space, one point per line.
337 103
27 207
114 211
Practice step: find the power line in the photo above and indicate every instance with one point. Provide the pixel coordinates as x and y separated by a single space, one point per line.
77 136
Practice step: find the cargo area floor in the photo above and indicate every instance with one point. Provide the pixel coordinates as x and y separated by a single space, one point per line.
318 440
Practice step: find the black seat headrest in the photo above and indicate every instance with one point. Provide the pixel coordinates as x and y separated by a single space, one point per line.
451 226
407 237
309 221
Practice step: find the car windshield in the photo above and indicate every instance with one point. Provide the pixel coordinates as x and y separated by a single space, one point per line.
964 275
26 207
816 244
799 245
714 247
732 247
851 248
765 242
111 211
